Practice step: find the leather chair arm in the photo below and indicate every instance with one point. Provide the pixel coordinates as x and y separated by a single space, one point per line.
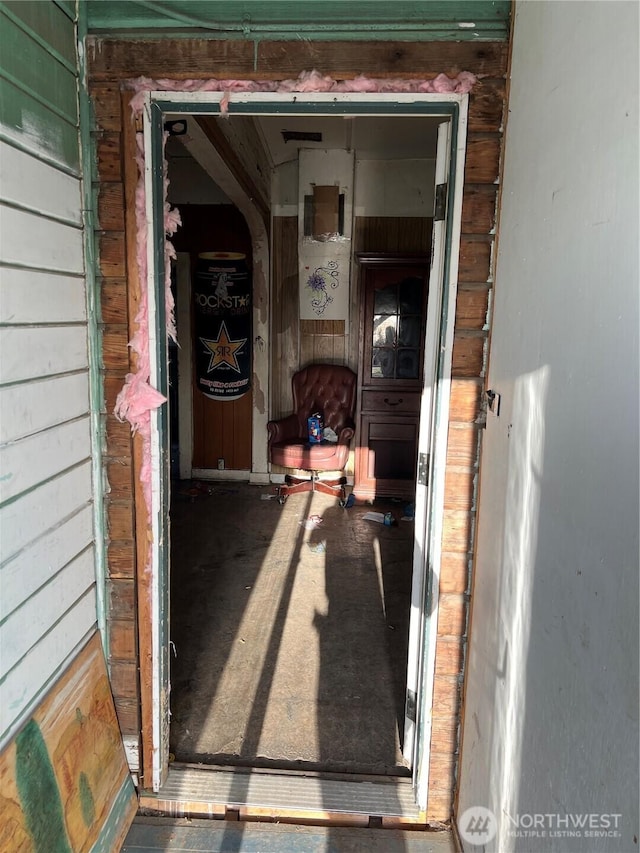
284 429
346 434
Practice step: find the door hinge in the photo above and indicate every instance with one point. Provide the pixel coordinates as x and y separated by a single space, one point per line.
423 469
410 707
440 207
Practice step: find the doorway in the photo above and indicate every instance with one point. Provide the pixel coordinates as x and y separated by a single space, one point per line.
217 433
431 413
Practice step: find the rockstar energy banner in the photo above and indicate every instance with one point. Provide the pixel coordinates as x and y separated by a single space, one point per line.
222 327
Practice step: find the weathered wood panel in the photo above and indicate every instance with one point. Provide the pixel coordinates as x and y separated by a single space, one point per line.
122 638
465 400
120 519
454 572
451 616
115 352
112 252
471 308
68 756
111 207
198 58
449 655
468 354
486 106
483 159
478 208
109 157
444 734
458 489
113 301
121 559
475 259
462 447
456 530
107 109
446 696
120 479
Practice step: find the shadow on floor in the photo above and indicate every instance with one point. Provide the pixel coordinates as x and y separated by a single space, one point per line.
290 636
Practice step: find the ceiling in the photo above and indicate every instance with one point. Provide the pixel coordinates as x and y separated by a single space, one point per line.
371 137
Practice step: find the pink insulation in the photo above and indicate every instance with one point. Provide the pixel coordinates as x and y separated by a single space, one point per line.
137 398
307 81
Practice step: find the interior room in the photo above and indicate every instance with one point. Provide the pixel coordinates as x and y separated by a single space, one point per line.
290 611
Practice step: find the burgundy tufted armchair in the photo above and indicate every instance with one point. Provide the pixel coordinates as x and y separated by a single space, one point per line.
331 390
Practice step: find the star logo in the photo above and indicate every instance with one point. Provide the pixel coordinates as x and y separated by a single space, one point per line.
223 350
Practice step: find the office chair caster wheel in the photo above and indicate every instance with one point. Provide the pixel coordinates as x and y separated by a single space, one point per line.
282 499
342 503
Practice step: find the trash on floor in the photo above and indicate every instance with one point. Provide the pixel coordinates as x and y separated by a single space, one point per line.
270 497
317 547
312 522
196 489
409 512
374 516
385 518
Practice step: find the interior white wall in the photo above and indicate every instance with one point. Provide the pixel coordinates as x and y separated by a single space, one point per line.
551 707
394 187
381 188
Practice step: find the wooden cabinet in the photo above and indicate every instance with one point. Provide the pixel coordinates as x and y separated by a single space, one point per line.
394 293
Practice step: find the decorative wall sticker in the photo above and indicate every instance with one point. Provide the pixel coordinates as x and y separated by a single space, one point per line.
321 282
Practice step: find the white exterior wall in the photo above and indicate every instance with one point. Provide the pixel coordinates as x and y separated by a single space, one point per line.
47 562
551 707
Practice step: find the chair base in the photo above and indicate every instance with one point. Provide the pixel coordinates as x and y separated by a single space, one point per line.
295 485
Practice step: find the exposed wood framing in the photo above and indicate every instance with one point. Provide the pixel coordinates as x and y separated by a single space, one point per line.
113 61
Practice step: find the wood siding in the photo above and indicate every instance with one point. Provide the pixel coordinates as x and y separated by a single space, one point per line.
47 558
116 61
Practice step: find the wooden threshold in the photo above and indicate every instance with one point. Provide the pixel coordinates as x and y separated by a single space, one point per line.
287 796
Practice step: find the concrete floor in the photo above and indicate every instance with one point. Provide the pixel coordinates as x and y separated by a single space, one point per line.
148 835
290 641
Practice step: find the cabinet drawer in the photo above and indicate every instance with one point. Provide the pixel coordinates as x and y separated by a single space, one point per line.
393 431
391 401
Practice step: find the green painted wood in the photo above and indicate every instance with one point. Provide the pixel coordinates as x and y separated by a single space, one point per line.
38 127
162 414
47 23
38 82
428 20
33 68
68 7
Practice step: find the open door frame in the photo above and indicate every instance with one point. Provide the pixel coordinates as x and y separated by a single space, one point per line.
435 406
